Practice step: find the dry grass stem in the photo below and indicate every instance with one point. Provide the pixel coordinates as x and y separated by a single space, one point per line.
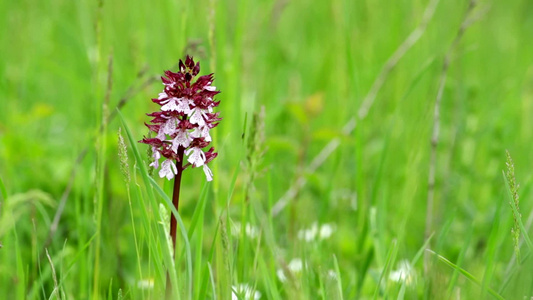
467 21
395 58
363 110
54 277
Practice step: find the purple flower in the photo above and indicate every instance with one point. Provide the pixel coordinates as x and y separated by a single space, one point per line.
184 121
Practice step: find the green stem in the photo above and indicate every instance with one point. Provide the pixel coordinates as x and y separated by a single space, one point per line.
175 202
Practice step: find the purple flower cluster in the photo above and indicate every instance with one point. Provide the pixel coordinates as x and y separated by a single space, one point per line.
183 124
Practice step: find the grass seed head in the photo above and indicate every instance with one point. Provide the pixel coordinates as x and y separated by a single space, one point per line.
513 187
123 156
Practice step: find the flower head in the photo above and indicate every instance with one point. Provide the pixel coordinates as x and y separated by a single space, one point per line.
405 273
183 123
244 291
294 267
323 232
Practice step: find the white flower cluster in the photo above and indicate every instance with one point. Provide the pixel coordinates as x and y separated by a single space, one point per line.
294 267
323 232
251 231
244 292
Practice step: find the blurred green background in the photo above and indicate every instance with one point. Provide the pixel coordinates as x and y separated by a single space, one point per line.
310 64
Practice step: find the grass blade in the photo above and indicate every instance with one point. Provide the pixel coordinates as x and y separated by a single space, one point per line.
466 274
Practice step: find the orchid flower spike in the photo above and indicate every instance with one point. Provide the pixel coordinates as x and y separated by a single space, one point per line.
184 120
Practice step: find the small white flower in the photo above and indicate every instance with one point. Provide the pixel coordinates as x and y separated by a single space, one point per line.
281 275
250 230
295 266
322 232
310 234
245 292
182 138
196 156
405 273
326 230
168 169
208 173
332 274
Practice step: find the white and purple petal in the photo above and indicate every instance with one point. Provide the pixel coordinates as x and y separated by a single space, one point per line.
172 105
168 169
205 134
170 126
184 105
182 138
155 156
196 132
197 117
196 156
201 132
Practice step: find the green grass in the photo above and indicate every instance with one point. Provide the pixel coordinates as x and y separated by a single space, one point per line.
310 64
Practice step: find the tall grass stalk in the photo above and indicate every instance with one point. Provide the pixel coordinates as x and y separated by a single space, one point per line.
435 134
512 191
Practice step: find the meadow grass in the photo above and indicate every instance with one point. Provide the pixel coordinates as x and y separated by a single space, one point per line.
293 74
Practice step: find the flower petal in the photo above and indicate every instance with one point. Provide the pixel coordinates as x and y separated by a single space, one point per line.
197 117
208 173
172 105
196 156
168 169
156 155
182 138
162 95
183 105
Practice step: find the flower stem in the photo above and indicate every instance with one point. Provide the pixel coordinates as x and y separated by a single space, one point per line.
175 202
176 195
